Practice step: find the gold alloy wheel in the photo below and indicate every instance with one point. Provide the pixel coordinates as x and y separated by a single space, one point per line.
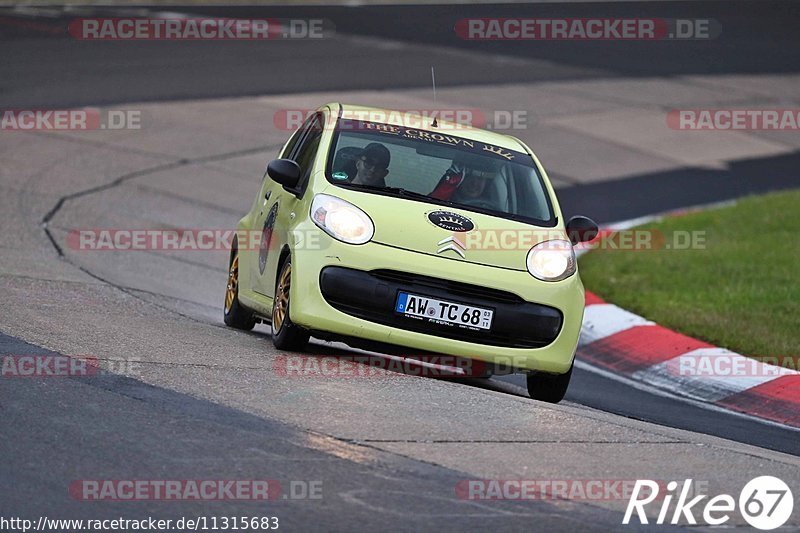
281 299
233 283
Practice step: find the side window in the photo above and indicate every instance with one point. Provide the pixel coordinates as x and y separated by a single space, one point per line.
287 150
295 138
307 151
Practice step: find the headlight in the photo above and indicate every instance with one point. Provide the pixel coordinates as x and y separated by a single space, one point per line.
551 260
341 220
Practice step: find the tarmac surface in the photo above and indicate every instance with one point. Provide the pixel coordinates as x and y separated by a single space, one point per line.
190 399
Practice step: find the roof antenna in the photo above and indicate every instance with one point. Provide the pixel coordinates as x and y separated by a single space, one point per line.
433 81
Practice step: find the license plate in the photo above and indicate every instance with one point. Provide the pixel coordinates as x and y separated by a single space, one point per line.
442 312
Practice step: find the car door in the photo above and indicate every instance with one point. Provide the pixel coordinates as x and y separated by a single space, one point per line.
265 202
278 215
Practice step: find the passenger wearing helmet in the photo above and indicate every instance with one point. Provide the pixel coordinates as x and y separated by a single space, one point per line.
466 185
473 189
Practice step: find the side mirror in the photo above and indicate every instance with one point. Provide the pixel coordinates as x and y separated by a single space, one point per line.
284 171
581 229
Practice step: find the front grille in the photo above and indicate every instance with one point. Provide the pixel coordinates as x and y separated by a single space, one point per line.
455 288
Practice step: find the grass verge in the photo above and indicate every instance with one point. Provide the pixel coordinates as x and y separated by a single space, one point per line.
740 290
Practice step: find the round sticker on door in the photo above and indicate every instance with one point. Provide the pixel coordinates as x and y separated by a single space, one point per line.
266 238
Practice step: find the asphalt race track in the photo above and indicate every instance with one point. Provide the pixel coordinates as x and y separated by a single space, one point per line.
188 398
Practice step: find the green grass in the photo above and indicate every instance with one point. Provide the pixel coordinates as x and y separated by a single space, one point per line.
741 292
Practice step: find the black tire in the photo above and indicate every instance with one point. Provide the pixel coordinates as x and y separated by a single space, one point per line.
285 334
234 314
549 388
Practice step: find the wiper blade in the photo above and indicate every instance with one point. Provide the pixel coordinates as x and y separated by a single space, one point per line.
406 192
396 190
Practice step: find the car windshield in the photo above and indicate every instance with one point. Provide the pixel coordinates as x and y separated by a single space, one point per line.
438 168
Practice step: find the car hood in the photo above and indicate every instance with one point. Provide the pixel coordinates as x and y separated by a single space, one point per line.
448 232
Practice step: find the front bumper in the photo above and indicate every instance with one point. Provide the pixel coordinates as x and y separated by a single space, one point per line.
350 291
372 296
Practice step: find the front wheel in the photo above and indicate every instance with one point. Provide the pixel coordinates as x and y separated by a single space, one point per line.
285 334
548 387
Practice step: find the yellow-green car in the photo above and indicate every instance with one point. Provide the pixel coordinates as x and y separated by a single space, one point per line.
427 236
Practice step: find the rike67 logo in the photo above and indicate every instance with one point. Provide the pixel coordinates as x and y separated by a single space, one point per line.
765 503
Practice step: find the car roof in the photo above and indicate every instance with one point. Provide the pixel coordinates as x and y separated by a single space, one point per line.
396 118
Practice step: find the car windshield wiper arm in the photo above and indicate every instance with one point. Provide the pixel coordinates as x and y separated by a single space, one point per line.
406 192
396 190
